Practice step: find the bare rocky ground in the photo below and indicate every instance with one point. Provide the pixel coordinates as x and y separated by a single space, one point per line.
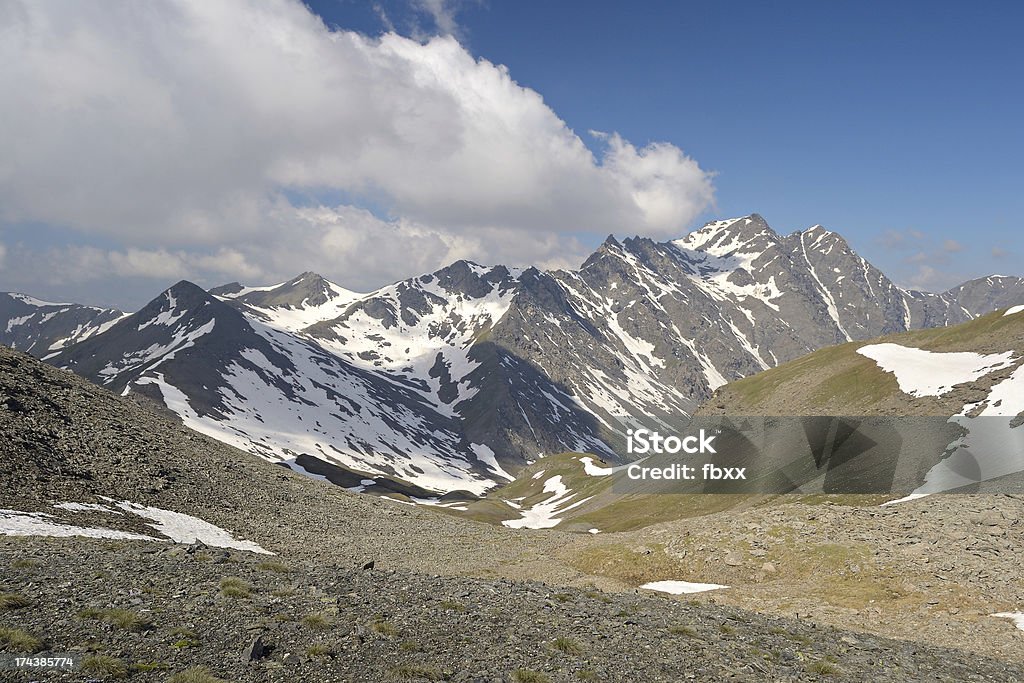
932 570
147 611
447 598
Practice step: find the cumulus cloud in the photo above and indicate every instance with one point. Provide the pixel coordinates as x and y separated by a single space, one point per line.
349 243
180 128
952 247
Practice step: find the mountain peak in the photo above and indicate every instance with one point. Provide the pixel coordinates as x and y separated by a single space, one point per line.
732 235
187 291
305 290
308 276
182 295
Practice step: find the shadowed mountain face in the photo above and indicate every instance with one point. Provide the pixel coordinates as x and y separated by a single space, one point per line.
40 327
456 379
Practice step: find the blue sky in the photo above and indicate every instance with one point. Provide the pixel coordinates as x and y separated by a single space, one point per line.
245 140
868 117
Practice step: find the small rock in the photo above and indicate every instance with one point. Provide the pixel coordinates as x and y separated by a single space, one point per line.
256 650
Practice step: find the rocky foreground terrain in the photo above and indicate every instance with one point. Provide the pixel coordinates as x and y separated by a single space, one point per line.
148 612
444 599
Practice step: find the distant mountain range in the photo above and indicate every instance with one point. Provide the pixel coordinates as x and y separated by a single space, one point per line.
456 380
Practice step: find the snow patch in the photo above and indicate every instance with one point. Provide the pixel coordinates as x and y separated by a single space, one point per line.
905 499
182 528
927 373
681 587
1016 617
485 455
593 470
1013 311
17 523
542 515
174 526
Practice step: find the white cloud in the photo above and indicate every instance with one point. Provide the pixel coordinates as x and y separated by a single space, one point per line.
174 130
668 187
442 12
349 244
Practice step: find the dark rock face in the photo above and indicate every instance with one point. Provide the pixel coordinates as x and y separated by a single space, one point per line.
450 379
205 360
41 327
306 289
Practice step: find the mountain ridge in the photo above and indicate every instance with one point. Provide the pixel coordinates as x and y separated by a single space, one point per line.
456 379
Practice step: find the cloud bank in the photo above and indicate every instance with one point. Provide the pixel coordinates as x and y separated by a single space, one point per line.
245 140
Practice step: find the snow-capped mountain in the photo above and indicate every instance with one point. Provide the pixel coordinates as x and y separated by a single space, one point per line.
454 380
275 394
292 305
40 327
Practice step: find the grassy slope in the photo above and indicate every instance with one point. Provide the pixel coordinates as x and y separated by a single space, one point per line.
835 380
839 381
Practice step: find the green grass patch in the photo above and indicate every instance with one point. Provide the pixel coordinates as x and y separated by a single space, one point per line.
195 674
104 666
274 566
234 587
317 621
599 596
383 627
183 637
824 668
118 618
627 564
16 640
13 601
320 650
567 646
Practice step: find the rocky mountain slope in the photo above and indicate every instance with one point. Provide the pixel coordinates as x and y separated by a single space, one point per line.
936 410
41 327
456 380
82 464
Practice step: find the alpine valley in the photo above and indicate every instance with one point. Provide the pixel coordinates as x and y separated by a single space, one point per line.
444 386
